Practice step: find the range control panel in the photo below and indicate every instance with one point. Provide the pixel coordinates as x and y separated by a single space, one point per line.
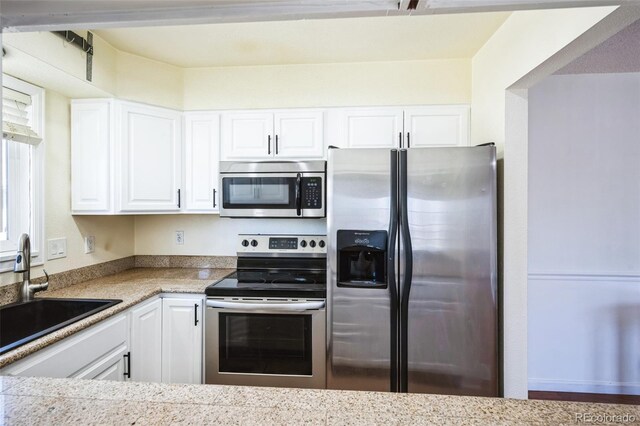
256 244
311 192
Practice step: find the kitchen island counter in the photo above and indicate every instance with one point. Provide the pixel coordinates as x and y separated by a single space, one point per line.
132 287
72 401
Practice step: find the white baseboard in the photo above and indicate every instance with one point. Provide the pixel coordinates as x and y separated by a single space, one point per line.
613 388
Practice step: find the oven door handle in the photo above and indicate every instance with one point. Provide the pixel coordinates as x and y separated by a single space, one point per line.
251 306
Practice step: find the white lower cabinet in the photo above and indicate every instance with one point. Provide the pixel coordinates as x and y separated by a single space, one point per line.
97 352
182 340
158 340
113 366
146 341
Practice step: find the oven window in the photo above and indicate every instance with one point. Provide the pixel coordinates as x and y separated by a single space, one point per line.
262 192
265 344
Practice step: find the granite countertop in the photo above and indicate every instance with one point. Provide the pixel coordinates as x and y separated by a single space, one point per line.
72 401
132 286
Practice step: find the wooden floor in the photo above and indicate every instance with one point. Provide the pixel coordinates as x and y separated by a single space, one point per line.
585 397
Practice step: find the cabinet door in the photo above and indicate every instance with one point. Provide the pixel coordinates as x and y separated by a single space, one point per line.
247 135
151 158
182 340
370 127
438 125
91 156
146 342
299 134
202 150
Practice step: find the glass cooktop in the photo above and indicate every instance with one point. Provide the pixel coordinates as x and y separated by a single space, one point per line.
269 284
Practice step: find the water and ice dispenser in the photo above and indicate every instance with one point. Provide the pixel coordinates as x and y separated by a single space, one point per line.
362 259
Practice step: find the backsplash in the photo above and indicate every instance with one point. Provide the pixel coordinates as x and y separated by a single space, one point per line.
185 261
11 293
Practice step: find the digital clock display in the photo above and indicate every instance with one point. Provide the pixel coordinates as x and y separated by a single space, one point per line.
283 243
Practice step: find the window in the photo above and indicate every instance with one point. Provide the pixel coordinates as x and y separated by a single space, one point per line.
21 170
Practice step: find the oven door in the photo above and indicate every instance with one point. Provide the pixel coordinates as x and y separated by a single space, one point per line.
265 342
272 195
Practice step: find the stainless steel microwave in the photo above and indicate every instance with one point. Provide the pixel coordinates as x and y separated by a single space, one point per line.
273 189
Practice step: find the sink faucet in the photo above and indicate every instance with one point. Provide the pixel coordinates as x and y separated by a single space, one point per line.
23 264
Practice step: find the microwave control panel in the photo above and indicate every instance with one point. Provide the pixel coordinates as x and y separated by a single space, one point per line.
311 192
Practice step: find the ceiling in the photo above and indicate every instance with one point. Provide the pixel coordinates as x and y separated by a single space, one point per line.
620 53
397 38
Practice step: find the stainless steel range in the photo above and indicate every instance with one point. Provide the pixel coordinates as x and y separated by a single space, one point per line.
265 324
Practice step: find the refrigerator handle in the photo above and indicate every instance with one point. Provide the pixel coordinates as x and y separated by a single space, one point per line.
391 271
405 287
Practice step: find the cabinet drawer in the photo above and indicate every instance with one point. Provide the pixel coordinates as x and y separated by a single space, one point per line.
109 367
72 355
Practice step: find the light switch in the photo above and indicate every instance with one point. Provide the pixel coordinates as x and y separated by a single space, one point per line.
56 248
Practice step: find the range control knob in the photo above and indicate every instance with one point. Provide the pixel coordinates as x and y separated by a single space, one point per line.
254 243
312 244
321 243
303 243
245 243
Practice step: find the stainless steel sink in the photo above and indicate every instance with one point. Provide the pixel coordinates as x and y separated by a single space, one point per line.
23 322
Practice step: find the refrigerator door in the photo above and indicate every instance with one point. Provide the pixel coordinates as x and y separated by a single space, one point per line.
451 339
361 212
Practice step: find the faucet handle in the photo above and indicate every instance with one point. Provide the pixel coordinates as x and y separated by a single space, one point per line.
41 286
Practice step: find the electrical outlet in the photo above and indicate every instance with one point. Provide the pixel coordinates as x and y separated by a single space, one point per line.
179 238
89 244
56 248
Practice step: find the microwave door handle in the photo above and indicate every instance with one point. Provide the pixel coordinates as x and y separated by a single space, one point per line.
299 194
252 306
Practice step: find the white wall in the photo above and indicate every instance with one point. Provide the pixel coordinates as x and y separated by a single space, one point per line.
584 233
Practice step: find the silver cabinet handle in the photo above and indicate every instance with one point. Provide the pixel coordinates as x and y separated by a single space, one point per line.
252 306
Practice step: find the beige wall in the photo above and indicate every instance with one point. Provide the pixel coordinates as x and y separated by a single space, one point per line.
46 60
524 41
114 235
344 84
521 44
210 234
152 82
379 83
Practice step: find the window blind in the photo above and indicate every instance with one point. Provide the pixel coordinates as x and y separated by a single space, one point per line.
15 117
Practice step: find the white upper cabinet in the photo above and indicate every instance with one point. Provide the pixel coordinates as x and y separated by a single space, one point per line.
150 159
202 154
91 154
125 158
299 134
247 135
369 128
437 125
398 127
275 134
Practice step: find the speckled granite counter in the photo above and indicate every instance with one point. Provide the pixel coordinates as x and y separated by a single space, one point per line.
72 401
132 286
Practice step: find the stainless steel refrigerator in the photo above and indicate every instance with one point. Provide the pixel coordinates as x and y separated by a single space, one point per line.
412 282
